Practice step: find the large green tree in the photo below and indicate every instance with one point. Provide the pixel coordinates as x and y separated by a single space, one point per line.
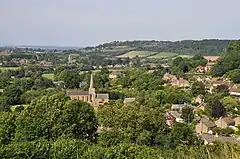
55 116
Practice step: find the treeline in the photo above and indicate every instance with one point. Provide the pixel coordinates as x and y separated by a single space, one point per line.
229 64
186 47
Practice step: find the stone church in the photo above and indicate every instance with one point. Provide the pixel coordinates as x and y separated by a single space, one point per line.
90 96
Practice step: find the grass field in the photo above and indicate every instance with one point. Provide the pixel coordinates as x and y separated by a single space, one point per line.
49 76
133 54
185 56
9 68
163 55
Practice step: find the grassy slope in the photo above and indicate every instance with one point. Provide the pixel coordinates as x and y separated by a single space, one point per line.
49 76
133 54
163 55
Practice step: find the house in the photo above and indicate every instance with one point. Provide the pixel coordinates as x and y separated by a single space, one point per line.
174 116
180 82
89 96
129 100
237 121
199 99
224 122
114 74
234 91
211 59
210 139
205 126
178 106
200 69
169 77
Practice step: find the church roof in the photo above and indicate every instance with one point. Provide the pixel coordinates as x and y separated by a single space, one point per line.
102 96
75 93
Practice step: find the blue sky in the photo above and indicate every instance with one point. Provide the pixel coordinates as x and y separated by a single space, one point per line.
90 22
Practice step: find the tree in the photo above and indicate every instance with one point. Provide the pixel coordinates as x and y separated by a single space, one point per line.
42 82
234 75
234 45
214 107
55 116
222 89
71 78
182 133
187 114
137 124
198 88
12 95
7 127
230 104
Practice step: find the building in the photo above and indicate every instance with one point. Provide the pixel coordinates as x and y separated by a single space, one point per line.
114 74
178 107
205 126
234 91
225 122
199 99
129 100
211 59
210 139
174 116
180 83
89 96
237 121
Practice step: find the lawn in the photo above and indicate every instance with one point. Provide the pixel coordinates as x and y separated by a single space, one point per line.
133 54
49 76
185 56
163 55
9 68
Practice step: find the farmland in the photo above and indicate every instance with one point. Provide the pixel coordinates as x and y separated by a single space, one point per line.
49 76
163 55
133 54
9 68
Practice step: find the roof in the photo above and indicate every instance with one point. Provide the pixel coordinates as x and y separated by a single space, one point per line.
178 106
208 123
102 96
228 120
75 93
212 138
235 90
175 114
211 58
129 100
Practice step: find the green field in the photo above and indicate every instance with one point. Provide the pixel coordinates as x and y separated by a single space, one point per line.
133 54
163 55
185 56
9 68
49 76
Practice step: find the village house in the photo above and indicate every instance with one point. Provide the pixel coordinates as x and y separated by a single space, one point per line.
234 91
174 116
129 100
114 74
180 83
211 59
199 99
205 126
210 139
203 69
237 121
89 96
178 107
224 122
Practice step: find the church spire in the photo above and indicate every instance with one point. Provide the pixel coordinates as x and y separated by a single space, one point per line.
91 88
91 81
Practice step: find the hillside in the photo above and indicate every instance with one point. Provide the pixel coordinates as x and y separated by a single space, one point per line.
186 47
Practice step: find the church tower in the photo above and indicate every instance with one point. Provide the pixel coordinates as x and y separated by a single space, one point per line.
91 90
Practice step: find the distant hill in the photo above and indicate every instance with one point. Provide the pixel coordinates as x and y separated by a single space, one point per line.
185 47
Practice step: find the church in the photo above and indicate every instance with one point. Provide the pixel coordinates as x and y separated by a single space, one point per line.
90 96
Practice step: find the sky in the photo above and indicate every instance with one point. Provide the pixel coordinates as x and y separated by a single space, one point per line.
91 22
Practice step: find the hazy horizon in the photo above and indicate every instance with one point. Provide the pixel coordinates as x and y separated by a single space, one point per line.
81 23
